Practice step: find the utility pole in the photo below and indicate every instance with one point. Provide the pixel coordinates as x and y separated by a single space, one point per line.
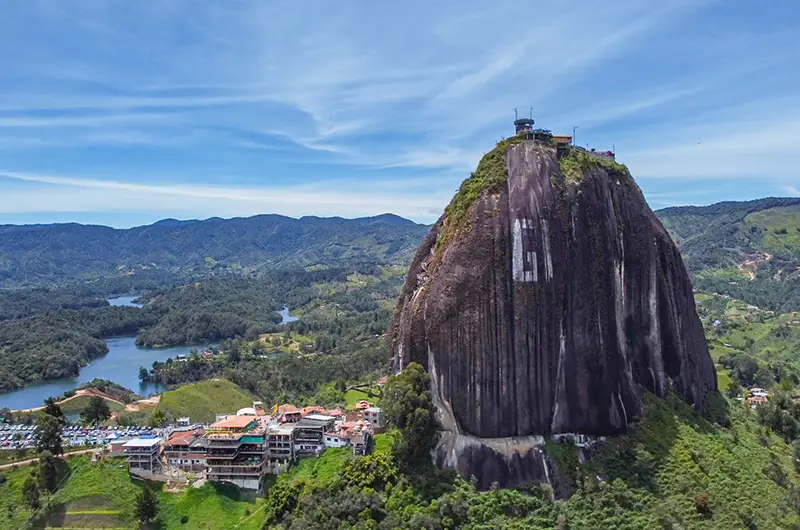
575 128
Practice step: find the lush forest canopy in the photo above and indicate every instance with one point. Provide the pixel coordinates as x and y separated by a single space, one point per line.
345 310
734 468
46 254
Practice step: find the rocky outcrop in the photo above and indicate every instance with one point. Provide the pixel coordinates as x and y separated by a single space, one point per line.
543 302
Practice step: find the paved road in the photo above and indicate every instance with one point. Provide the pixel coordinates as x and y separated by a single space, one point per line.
32 460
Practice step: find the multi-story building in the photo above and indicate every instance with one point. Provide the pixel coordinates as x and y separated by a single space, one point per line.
375 416
236 451
143 455
280 443
186 451
336 439
309 434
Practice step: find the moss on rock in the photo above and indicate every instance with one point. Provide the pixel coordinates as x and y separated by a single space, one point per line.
491 173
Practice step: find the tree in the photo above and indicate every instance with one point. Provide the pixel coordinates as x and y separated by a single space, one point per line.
48 434
144 375
48 466
30 491
157 418
52 408
146 506
97 410
409 407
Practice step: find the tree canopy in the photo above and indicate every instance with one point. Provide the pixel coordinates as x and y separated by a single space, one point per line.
408 406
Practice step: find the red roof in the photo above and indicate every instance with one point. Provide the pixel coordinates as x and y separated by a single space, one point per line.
234 422
180 438
287 408
313 410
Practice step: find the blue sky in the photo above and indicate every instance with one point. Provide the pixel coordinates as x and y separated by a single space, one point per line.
122 112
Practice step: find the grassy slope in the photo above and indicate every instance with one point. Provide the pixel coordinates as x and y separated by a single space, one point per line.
780 230
353 396
97 493
673 457
201 401
79 403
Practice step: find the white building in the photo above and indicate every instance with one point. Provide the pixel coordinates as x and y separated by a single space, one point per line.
144 455
335 440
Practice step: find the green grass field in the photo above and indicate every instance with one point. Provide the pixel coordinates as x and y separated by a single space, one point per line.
103 495
79 404
352 397
201 401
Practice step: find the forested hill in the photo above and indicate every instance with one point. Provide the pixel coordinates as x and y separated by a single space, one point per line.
37 254
749 250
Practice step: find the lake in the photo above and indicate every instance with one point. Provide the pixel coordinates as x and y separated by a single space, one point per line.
124 301
121 365
286 317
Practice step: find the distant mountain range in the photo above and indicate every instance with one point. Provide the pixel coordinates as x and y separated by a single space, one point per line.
39 254
748 250
724 245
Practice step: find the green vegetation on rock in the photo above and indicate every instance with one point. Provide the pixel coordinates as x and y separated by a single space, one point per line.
491 173
575 163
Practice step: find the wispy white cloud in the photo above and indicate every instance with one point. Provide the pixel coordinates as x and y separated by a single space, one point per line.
343 198
376 90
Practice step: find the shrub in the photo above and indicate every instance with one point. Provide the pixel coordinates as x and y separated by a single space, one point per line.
702 504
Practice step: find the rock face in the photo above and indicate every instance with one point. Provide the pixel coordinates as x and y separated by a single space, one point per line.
546 308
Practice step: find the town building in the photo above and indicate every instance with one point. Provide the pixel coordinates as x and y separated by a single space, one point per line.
184 422
360 443
309 434
336 439
143 455
236 450
375 416
280 443
186 451
289 414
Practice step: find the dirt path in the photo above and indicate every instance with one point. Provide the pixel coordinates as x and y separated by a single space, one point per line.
147 403
32 460
78 393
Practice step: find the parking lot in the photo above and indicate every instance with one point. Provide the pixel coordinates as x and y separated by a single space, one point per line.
15 437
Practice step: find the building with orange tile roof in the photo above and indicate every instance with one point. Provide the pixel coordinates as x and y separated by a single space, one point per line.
186 451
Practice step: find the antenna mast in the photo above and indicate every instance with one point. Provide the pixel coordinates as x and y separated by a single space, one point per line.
515 114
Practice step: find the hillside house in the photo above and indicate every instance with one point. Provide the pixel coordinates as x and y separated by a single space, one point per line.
375 416
143 455
186 451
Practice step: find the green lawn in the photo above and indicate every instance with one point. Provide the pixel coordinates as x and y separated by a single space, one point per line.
104 495
723 379
202 401
352 397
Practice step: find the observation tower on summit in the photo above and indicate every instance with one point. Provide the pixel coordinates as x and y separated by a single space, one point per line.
523 125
